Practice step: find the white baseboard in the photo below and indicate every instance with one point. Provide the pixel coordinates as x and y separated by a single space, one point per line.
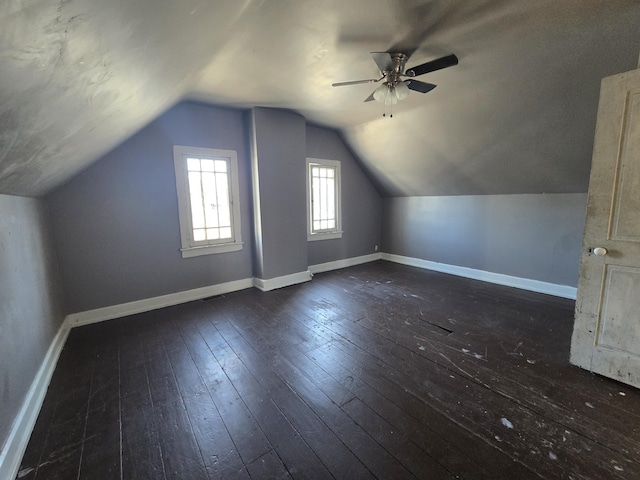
564 291
148 304
347 262
16 443
279 282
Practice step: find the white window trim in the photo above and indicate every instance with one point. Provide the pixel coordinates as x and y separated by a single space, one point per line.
337 233
180 153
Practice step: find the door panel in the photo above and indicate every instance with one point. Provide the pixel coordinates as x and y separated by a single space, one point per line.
606 335
627 202
619 320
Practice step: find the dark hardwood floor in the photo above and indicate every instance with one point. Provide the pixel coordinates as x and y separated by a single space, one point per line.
375 371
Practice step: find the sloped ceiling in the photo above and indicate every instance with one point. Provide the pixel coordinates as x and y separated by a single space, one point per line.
517 115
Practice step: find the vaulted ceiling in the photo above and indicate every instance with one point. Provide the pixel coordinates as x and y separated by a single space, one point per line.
517 115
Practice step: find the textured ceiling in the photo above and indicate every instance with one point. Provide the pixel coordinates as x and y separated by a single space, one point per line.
517 115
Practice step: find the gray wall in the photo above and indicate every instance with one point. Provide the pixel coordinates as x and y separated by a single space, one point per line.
538 237
31 309
116 225
361 202
278 166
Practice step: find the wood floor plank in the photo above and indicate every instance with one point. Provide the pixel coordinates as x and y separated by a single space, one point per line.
362 366
301 461
531 450
516 387
370 353
218 451
141 450
40 433
247 436
426 467
404 413
101 453
268 465
180 453
398 444
334 454
432 431
377 457
472 370
62 452
529 309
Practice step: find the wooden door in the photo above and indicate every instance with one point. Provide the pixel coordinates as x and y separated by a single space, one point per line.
606 335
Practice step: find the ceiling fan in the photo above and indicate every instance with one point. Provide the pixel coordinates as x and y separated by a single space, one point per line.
392 71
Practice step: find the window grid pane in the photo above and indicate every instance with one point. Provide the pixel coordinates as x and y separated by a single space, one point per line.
323 195
210 202
206 165
193 164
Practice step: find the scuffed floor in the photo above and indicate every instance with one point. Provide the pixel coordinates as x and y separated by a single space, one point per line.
375 371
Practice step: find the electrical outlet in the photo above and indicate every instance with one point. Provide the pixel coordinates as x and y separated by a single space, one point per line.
375 248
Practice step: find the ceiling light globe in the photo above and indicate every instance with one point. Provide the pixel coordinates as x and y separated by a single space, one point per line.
402 90
391 98
381 93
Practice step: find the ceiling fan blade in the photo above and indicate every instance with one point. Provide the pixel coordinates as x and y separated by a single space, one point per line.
417 86
369 98
355 82
433 65
383 61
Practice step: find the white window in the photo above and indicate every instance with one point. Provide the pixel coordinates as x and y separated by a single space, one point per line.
208 205
324 220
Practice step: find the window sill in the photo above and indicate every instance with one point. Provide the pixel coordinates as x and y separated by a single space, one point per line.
211 249
311 237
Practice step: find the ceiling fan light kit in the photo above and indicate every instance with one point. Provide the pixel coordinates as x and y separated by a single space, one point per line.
392 71
390 94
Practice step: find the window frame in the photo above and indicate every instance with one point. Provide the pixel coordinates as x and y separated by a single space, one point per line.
337 231
189 246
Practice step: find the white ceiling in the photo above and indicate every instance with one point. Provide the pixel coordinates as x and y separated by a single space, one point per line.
517 115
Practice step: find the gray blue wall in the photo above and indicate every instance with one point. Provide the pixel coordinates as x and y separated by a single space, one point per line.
116 225
278 168
361 202
537 237
31 310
